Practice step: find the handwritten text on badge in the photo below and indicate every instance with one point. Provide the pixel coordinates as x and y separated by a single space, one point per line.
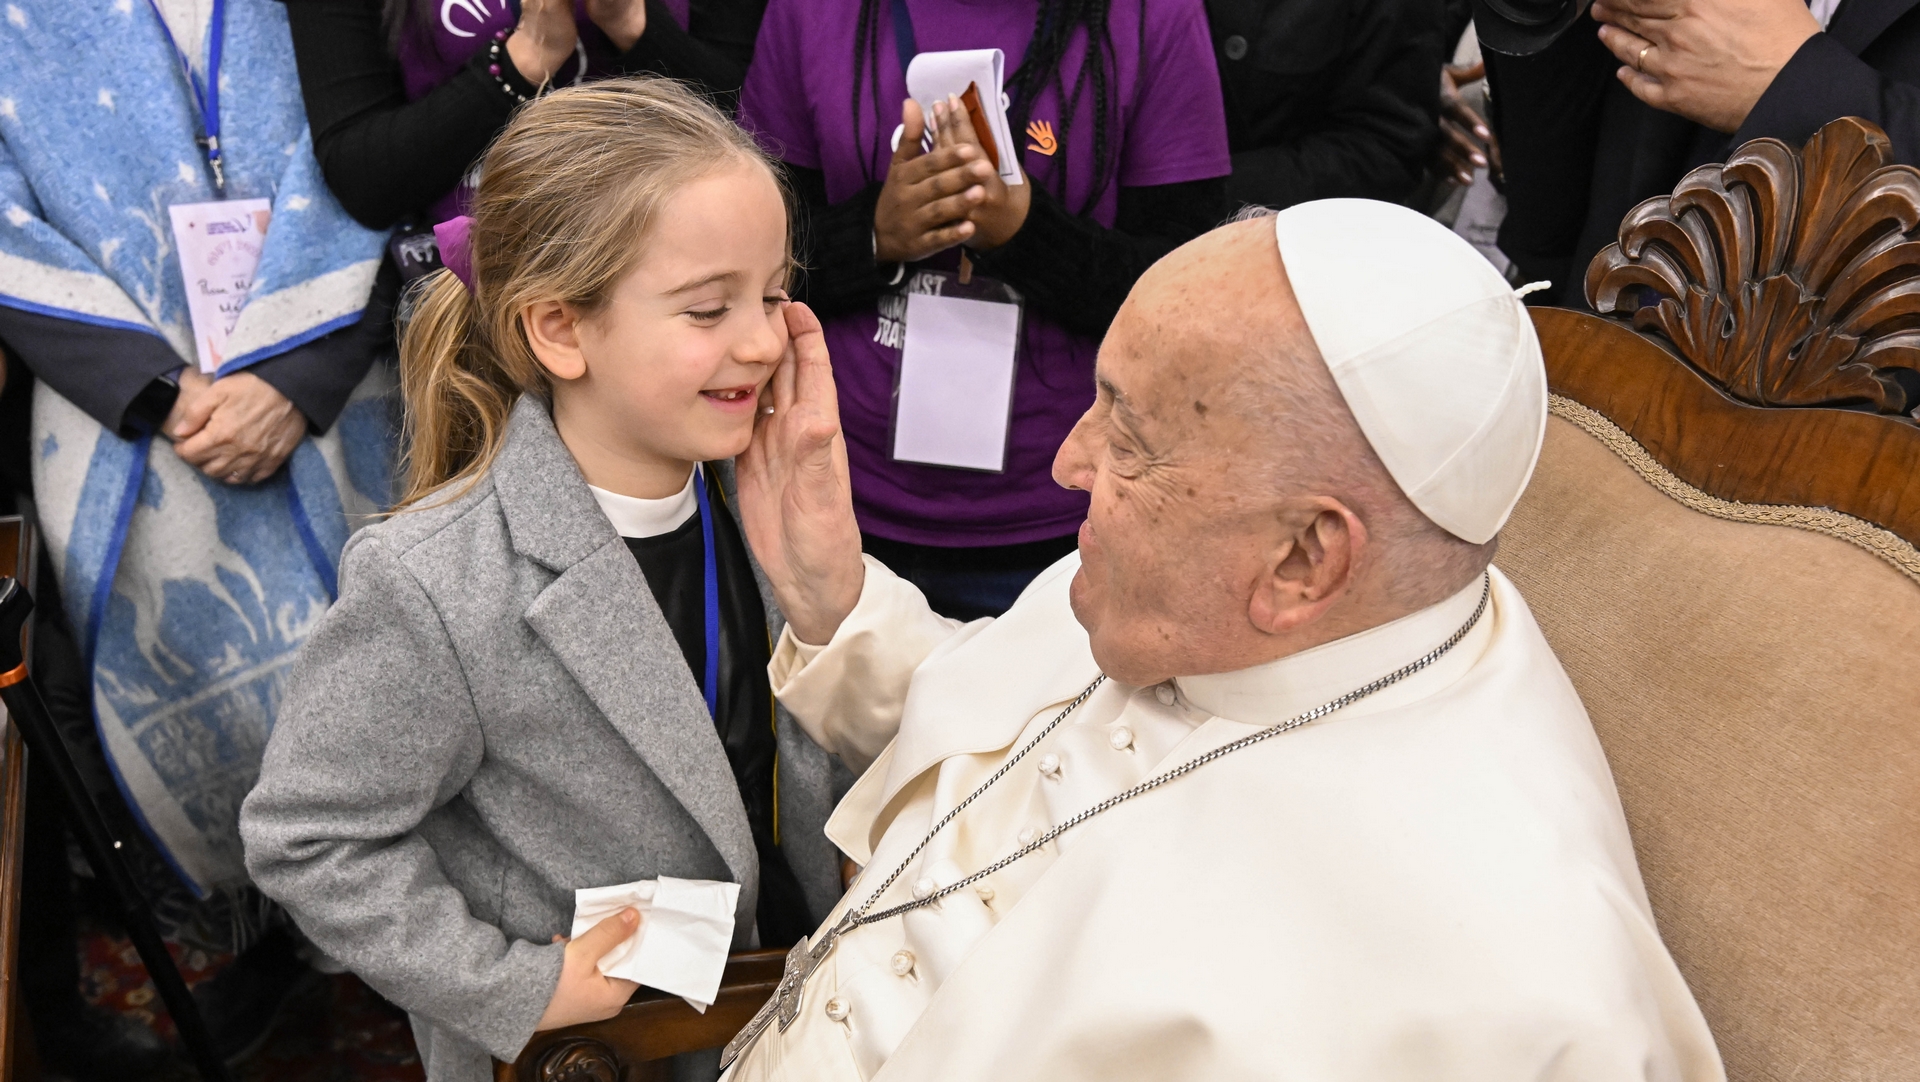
219 245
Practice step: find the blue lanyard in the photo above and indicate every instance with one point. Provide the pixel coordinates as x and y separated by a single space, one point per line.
710 585
903 39
206 97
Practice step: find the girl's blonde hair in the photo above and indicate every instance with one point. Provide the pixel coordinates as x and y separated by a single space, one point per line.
566 193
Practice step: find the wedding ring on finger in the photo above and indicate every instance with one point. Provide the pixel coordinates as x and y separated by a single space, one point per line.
236 477
1640 60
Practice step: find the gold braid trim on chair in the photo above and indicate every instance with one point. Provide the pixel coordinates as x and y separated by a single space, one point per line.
1885 544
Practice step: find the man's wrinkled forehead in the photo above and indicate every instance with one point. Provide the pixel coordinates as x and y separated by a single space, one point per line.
1198 318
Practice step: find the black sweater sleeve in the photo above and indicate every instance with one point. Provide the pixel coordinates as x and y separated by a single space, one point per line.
386 157
1071 269
383 156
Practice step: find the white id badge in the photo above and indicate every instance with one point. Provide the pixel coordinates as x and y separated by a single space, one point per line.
954 399
219 245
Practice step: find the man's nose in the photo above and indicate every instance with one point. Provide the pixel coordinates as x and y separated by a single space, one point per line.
1073 464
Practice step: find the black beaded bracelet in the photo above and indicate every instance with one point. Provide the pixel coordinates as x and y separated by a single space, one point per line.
505 75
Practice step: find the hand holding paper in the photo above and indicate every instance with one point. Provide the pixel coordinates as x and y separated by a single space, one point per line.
1003 210
583 994
681 944
925 200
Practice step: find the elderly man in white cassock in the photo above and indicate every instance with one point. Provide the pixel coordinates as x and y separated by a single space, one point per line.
1276 778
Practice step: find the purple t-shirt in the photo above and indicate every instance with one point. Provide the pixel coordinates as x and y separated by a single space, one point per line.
1171 129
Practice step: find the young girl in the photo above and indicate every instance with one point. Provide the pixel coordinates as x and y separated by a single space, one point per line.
549 671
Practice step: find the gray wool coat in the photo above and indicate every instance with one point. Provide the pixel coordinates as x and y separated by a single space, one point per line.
494 714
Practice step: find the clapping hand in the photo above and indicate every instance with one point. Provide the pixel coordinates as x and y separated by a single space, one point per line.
1466 143
1002 209
1706 60
544 39
237 429
622 21
926 198
796 499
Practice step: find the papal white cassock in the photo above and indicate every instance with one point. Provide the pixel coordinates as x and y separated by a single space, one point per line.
1434 884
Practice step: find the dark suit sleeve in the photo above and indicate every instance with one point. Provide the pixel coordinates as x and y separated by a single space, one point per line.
1077 272
1824 82
102 370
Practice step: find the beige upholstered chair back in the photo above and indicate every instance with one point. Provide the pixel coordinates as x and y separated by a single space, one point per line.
1713 544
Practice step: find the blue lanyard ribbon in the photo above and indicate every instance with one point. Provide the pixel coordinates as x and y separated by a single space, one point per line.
903 39
206 97
710 586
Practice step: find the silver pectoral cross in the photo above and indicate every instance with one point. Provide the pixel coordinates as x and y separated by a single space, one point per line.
802 960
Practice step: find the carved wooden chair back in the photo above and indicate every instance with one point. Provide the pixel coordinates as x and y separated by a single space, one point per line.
1719 543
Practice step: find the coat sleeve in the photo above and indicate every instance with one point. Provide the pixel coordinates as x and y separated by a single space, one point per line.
377 730
1823 82
848 695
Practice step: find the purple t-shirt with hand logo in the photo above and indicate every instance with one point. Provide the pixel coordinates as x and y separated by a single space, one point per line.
1169 128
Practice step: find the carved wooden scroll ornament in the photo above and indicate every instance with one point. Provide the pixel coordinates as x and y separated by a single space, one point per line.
1787 278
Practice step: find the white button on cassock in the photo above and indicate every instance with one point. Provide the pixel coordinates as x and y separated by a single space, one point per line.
837 1009
985 893
1050 765
925 887
902 963
1027 836
1164 693
1121 738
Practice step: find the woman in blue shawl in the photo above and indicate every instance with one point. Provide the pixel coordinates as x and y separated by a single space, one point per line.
194 519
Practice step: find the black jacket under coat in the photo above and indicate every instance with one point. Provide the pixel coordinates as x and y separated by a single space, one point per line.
1328 98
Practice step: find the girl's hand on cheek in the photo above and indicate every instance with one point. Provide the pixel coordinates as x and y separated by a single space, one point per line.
583 995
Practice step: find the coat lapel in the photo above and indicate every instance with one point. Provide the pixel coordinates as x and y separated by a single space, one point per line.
600 619
1859 22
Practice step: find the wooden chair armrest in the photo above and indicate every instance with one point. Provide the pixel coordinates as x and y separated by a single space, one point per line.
652 1027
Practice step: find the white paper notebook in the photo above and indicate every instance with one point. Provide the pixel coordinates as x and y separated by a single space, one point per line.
932 76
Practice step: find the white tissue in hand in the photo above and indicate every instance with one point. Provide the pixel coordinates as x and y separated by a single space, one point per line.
686 929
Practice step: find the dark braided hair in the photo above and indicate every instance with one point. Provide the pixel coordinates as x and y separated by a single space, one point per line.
1053 30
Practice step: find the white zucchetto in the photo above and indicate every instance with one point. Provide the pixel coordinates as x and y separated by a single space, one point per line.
1431 349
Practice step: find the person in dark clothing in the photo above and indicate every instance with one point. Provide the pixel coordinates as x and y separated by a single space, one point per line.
1329 98
404 95
1589 128
1125 156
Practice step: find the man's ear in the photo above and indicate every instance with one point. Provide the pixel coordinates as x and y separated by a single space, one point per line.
1311 569
553 332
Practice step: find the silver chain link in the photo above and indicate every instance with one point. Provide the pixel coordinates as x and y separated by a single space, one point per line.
860 916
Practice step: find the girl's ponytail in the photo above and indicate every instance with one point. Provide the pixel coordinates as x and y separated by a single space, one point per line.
457 397
565 198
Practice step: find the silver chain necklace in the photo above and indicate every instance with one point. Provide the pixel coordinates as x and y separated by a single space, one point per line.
803 959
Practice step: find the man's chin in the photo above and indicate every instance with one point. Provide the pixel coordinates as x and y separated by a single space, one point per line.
1080 597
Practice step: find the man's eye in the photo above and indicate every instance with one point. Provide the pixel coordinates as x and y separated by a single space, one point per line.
709 315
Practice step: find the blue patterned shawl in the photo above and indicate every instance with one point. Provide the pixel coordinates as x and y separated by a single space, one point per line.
191 596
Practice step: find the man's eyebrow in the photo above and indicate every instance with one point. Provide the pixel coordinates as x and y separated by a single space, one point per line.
1113 392
697 283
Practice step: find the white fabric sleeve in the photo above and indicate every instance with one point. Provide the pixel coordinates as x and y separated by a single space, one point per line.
848 694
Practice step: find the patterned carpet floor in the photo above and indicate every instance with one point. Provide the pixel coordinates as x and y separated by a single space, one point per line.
335 1029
